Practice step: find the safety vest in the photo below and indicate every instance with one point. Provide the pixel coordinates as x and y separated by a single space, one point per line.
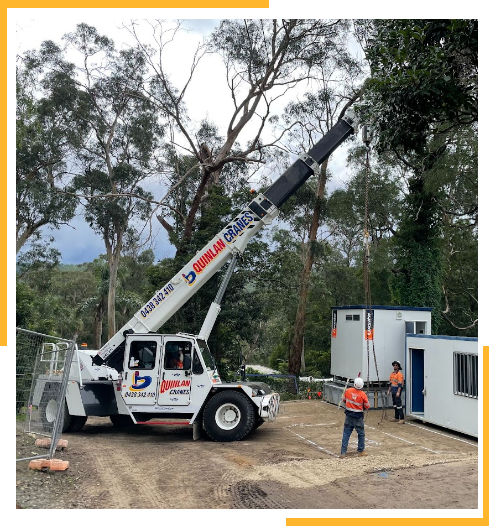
355 400
396 379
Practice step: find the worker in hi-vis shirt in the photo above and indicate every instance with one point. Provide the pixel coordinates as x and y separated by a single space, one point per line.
396 383
356 402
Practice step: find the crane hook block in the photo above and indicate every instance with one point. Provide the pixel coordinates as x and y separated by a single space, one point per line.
367 134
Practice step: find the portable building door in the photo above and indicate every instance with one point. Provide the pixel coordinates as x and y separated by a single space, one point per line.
416 374
442 381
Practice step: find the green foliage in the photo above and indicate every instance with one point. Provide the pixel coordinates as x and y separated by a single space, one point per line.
423 75
46 133
418 278
318 363
25 311
249 45
40 256
111 216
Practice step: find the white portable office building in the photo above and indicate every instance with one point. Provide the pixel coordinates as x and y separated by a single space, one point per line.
442 381
355 326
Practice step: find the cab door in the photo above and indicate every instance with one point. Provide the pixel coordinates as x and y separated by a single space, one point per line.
176 374
140 375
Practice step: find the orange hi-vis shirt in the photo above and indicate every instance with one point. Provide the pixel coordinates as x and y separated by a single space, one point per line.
396 379
355 400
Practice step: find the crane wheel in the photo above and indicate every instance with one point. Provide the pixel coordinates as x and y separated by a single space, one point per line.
229 416
49 409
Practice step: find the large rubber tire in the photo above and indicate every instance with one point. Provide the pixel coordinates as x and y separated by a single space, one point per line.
48 408
229 416
121 420
77 423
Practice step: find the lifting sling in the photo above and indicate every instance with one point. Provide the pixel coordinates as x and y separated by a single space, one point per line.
366 268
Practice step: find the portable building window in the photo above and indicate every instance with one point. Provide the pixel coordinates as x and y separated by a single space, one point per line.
353 317
415 327
465 375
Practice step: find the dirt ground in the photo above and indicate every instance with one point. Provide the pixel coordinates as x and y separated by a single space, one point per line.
292 463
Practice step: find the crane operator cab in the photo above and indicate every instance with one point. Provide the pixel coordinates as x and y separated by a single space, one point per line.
168 376
166 371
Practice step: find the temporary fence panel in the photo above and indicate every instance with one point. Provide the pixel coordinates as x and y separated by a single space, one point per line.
284 383
43 364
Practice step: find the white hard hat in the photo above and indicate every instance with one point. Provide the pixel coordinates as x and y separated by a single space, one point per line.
358 383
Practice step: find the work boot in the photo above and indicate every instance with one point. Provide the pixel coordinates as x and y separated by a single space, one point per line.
393 420
401 421
342 455
362 453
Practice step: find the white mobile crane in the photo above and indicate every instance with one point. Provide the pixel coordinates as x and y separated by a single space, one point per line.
140 376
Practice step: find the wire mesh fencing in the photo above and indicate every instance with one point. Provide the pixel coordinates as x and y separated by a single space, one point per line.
43 365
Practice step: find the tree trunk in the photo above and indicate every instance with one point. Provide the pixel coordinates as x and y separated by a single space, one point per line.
113 259
97 325
209 177
113 268
296 346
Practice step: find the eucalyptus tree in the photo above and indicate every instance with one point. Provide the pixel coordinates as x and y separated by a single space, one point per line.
422 94
117 153
47 131
362 220
338 86
263 60
130 288
457 177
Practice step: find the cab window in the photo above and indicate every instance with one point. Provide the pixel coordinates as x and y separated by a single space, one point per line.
197 365
142 355
178 355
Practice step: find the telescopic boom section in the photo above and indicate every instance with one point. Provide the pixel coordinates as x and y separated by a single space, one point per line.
230 240
293 178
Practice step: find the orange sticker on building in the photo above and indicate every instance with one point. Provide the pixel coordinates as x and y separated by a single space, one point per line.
369 324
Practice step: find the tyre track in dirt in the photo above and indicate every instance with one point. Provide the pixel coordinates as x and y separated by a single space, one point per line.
291 463
116 476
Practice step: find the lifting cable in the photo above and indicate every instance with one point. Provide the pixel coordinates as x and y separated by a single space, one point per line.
366 270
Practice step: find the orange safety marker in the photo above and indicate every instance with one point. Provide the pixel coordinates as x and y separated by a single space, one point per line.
46 442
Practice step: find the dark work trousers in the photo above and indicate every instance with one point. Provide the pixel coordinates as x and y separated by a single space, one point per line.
350 425
397 403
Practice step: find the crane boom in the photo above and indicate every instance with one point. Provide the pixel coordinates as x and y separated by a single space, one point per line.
230 240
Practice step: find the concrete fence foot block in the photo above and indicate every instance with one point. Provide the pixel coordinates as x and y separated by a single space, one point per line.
46 443
36 464
52 464
58 465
